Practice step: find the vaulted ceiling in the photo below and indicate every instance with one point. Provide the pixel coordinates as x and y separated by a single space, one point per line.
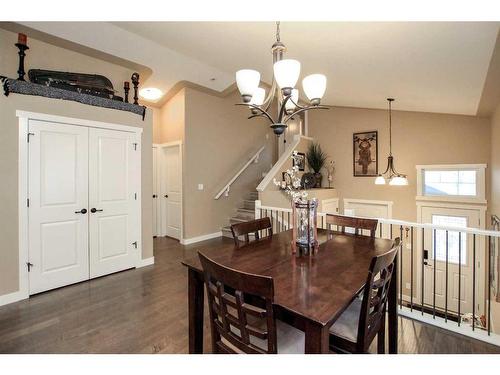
428 66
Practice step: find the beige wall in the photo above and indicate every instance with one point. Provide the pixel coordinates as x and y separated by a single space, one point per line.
417 138
170 119
218 142
45 56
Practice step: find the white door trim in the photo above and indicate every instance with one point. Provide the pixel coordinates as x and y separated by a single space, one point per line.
482 243
76 121
24 117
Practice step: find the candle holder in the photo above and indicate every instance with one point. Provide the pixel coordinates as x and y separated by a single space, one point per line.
305 227
126 88
135 82
22 53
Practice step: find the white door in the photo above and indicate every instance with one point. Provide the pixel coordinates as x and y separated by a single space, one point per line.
114 182
171 191
58 204
459 256
156 200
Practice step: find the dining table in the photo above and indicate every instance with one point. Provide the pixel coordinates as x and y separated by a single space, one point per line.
310 291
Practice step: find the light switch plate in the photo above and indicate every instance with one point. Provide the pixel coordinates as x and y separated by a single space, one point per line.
200 186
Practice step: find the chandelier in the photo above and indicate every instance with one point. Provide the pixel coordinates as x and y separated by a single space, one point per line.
286 74
390 173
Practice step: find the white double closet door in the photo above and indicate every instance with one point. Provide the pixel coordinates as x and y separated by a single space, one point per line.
84 218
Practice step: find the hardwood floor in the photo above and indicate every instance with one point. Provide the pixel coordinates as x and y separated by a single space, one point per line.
145 311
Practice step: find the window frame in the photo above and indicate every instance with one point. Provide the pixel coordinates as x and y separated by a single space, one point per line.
480 196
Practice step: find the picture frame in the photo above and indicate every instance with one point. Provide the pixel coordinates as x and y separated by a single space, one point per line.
300 162
365 154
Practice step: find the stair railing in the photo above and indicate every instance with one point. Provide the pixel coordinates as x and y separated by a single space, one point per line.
253 159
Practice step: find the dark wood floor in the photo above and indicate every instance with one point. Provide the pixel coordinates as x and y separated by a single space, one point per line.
145 311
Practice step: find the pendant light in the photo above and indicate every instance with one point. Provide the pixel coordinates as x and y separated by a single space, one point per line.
390 174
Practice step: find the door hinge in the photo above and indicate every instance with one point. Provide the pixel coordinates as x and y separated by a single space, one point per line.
27 202
135 196
28 137
135 146
135 244
29 265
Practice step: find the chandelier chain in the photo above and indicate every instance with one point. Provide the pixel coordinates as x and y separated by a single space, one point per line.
278 31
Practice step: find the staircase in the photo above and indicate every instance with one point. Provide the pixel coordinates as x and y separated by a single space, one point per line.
245 213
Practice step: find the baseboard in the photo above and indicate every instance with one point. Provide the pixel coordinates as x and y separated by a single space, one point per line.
145 262
189 241
12 297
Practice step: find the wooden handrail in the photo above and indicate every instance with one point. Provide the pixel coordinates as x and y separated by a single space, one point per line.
253 159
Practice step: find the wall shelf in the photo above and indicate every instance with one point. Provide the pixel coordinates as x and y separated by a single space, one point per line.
27 88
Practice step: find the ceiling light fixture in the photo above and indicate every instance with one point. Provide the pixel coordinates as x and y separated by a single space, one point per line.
395 178
150 93
286 74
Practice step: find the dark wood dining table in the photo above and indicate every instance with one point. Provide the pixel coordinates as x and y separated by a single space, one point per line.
311 292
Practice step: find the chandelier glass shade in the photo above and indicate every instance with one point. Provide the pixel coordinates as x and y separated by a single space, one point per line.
391 175
286 73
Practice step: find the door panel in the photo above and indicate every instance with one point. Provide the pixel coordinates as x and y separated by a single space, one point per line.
113 185
57 188
171 186
156 230
443 248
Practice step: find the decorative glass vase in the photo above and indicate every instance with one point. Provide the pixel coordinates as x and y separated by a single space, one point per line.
305 229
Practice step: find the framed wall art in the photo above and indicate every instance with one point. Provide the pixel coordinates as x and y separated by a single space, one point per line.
365 154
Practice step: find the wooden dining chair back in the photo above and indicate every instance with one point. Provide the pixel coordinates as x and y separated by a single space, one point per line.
254 226
237 325
376 292
356 223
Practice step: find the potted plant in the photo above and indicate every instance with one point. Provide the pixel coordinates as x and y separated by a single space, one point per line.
316 158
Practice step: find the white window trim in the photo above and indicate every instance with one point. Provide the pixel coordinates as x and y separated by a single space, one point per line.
480 198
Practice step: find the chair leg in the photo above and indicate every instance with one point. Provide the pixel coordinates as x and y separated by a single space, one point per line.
381 338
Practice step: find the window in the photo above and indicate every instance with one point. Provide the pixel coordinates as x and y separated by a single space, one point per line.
451 182
454 252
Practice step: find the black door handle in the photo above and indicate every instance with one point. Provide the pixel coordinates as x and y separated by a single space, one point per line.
154 195
166 196
82 211
94 210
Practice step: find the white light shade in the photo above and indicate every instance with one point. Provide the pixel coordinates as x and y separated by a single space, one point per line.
398 181
150 93
314 86
248 81
295 97
286 73
258 96
380 180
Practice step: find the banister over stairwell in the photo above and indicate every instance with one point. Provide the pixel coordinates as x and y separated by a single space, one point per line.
253 159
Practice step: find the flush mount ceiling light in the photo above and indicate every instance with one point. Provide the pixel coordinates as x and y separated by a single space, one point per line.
150 93
286 74
390 174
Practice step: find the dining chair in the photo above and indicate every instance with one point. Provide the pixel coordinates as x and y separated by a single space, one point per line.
355 329
241 327
252 226
356 223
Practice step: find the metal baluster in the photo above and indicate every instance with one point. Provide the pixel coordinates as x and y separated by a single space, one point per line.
380 230
288 219
411 270
401 267
283 220
434 273
489 286
446 284
391 231
423 272
459 271
473 280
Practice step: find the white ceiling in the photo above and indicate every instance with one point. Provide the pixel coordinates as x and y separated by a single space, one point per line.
432 67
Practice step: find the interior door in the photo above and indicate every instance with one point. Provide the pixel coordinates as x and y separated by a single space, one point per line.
156 226
171 187
58 204
458 254
114 183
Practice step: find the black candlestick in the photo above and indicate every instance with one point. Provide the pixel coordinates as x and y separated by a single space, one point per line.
22 54
126 88
135 82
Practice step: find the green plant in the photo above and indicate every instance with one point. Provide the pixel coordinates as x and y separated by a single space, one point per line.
316 157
